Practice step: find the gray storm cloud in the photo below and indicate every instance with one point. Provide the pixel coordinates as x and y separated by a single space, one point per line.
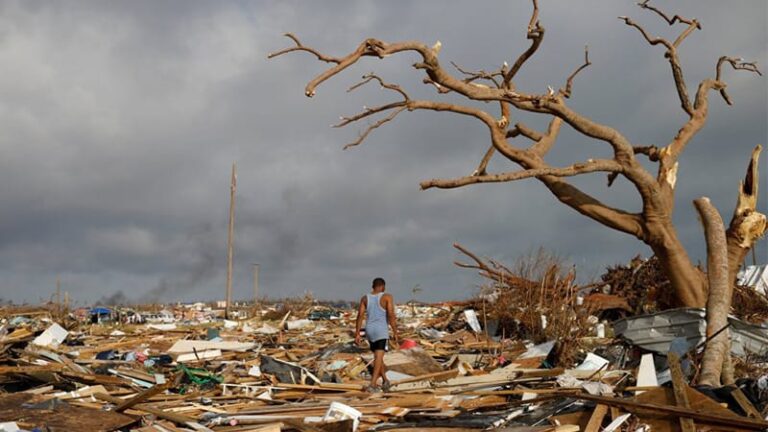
119 122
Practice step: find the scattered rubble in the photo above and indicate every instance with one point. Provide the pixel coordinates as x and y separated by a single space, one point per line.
487 363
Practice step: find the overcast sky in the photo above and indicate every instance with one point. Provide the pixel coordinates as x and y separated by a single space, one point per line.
119 122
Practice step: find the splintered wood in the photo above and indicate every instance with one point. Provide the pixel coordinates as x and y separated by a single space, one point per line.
255 374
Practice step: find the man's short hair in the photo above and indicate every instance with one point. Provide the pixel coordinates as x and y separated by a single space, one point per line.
378 282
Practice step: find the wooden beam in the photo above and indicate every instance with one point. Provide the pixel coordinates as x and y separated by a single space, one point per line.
679 387
167 415
745 404
143 396
728 420
596 421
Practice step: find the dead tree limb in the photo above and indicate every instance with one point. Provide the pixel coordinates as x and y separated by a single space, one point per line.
720 293
747 224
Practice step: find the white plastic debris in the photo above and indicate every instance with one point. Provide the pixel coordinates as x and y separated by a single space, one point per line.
254 371
620 420
593 362
396 376
266 329
162 327
432 333
9 427
568 381
189 346
199 355
230 324
53 336
540 350
297 324
338 411
597 388
646 373
600 330
471 317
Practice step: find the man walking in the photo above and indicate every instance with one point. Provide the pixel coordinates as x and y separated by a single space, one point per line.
379 309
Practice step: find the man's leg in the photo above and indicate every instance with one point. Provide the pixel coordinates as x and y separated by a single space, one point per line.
378 366
385 384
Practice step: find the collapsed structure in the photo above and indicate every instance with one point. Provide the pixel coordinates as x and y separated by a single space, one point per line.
577 358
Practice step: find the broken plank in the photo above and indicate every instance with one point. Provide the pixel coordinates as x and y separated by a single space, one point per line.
143 396
597 418
729 420
435 376
176 418
745 404
679 388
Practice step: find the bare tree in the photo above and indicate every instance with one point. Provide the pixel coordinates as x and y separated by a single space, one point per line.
652 225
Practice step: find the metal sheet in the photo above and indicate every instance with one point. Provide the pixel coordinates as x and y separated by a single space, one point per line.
655 332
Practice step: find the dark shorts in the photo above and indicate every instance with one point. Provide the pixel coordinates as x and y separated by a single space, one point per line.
379 345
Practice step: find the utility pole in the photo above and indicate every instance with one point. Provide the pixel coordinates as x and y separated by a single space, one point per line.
230 235
255 284
256 309
58 297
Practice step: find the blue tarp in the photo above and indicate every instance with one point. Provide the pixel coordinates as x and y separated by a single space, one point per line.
100 311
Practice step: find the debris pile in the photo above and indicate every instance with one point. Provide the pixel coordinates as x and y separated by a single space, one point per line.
488 363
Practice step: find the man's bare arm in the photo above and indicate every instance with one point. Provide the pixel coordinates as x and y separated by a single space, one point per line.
359 321
391 317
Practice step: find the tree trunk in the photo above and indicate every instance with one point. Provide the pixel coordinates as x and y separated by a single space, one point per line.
689 285
747 225
720 293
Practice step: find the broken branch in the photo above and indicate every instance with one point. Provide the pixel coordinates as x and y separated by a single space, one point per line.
736 64
603 165
300 47
569 83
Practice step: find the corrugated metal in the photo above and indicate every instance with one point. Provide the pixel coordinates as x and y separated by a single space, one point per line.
655 332
755 277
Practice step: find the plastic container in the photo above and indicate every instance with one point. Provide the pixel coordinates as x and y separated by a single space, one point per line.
339 411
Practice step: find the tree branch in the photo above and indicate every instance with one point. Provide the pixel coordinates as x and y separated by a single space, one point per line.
495 271
371 77
536 35
569 83
300 47
671 21
590 166
693 24
373 126
651 151
481 169
545 143
737 64
587 205
701 107
479 75
410 105
527 132
674 62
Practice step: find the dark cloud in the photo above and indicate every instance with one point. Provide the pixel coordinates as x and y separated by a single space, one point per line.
120 121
